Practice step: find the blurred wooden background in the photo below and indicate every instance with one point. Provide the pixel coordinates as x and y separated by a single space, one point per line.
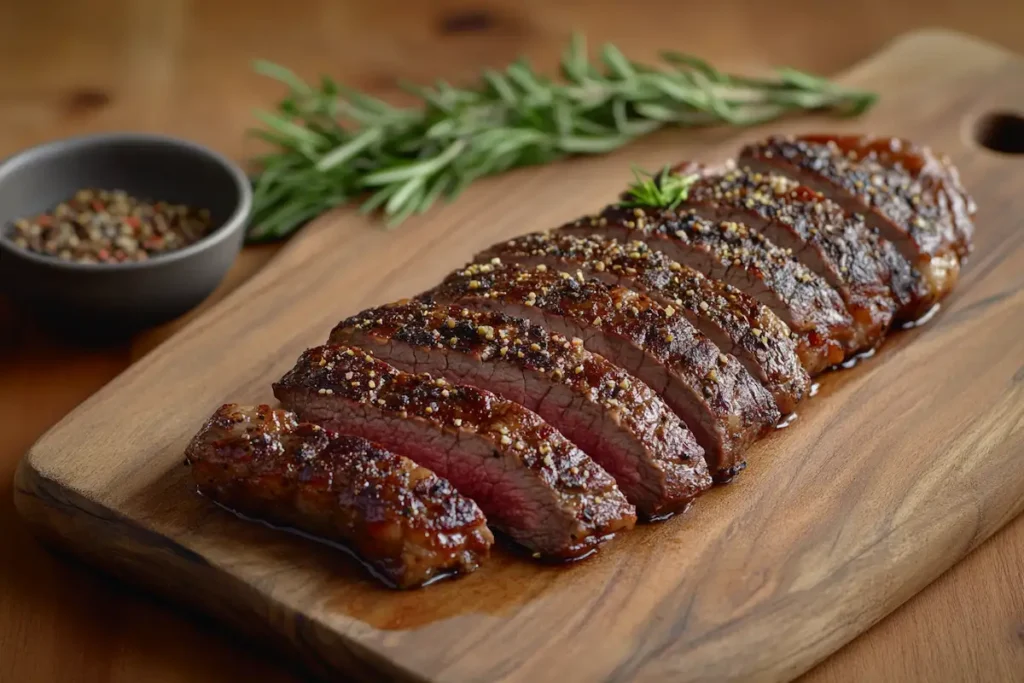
183 67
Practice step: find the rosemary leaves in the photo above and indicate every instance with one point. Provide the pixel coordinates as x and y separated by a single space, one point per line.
667 190
335 145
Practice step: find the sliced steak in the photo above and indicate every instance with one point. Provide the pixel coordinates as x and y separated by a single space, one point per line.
533 484
914 210
405 522
612 416
838 247
745 259
736 323
724 406
935 172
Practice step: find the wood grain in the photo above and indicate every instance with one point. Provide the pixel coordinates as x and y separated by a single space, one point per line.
897 470
182 68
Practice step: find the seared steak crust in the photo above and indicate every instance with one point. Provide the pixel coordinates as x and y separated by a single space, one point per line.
838 247
409 525
531 482
613 417
926 222
935 172
717 398
737 323
745 259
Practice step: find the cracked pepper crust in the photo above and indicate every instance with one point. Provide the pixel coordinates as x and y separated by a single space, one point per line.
734 253
615 418
725 407
576 494
409 525
739 324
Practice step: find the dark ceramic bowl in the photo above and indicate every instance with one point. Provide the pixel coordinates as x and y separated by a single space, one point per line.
101 299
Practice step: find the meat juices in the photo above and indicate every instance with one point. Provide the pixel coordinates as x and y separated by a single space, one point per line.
738 324
735 254
612 416
713 394
911 197
409 525
567 380
836 246
533 484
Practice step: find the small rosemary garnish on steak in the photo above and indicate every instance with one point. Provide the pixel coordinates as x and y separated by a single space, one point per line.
667 190
335 145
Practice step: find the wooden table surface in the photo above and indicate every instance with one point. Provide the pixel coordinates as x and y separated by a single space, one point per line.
183 68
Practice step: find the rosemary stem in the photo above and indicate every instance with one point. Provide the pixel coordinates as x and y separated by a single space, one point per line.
333 144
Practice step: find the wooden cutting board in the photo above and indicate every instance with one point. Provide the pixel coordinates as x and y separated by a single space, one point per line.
897 469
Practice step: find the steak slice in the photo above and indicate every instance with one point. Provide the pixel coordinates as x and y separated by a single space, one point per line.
838 247
936 172
745 259
613 417
533 484
405 522
736 323
715 396
914 210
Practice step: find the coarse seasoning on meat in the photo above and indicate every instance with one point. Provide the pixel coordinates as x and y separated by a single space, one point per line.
612 416
738 324
733 253
911 197
839 248
530 481
569 380
724 406
934 173
409 525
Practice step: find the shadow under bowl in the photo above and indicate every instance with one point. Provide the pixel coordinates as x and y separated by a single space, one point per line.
104 300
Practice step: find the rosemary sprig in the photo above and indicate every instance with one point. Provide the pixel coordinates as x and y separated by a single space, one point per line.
667 190
335 145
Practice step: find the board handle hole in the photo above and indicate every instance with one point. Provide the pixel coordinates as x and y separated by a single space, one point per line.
1001 132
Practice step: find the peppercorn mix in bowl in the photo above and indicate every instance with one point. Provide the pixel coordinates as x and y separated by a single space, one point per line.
103 226
108 234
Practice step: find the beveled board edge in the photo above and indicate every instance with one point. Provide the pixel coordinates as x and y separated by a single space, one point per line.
66 520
